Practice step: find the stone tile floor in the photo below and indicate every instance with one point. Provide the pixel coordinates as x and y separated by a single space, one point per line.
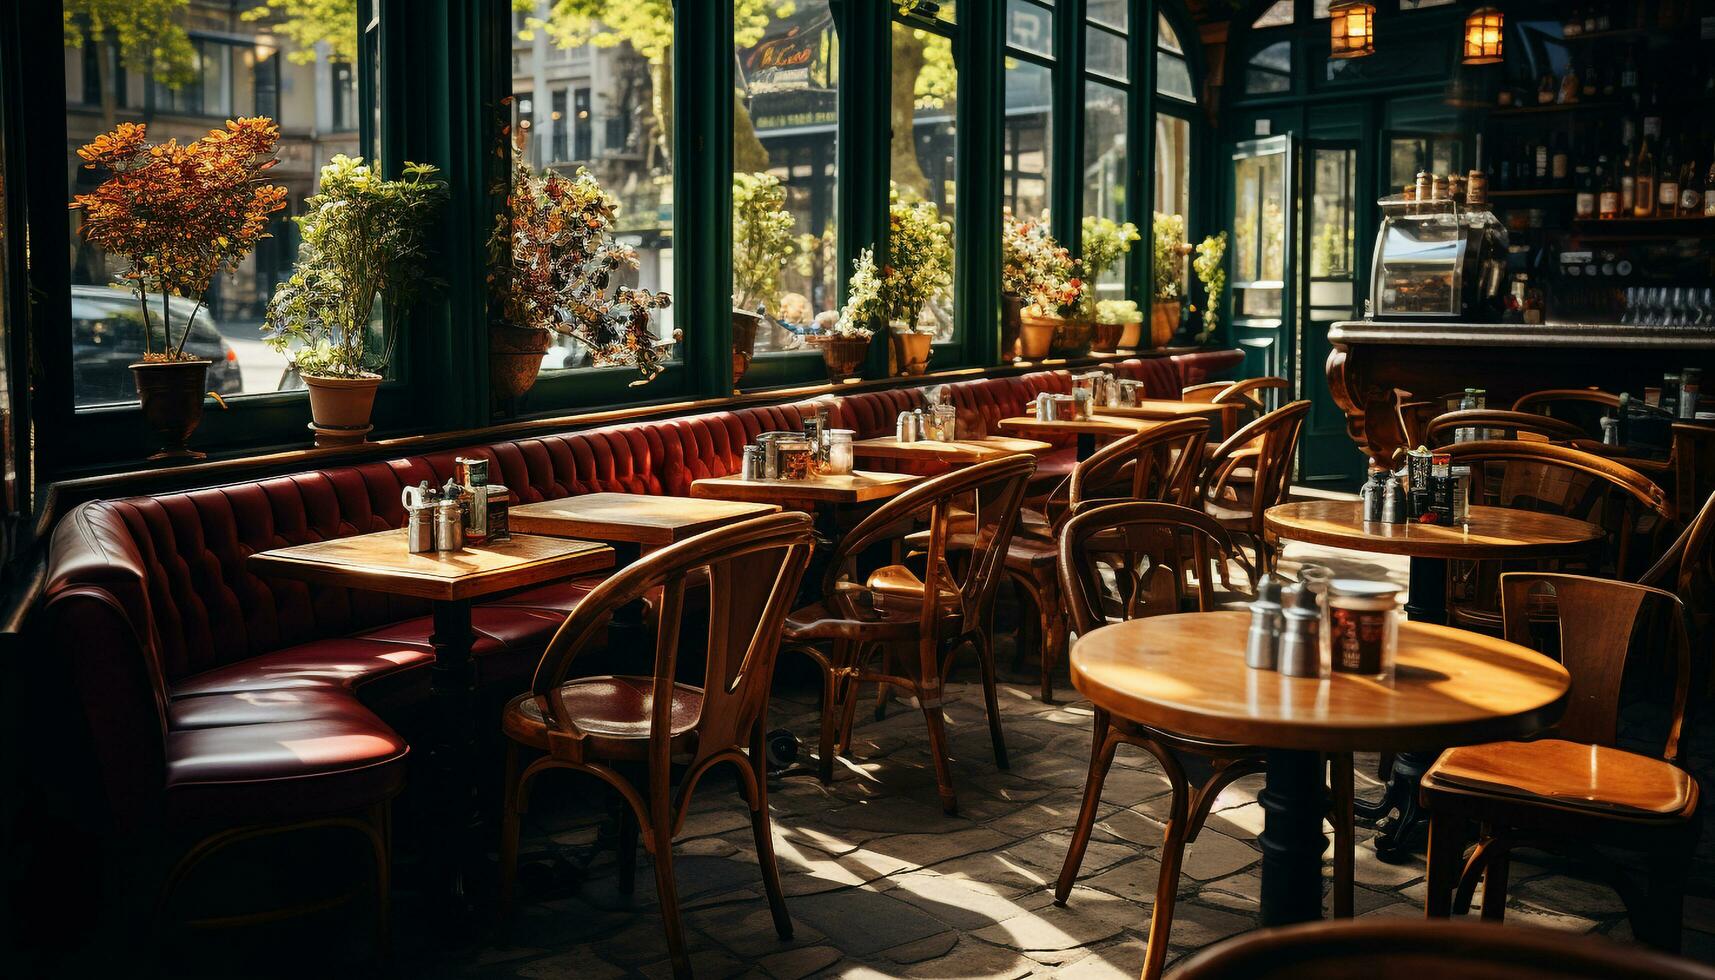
880 883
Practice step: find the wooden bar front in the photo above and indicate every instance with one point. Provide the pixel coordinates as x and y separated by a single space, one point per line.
1376 366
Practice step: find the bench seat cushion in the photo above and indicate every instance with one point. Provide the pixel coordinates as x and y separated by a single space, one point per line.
261 771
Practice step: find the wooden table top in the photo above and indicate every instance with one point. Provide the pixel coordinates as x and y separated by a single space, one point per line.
856 487
962 451
1186 673
1493 532
1162 408
631 517
1098 426
379 563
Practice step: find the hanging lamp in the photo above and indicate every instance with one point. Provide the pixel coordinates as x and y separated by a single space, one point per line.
1351 29
1483 34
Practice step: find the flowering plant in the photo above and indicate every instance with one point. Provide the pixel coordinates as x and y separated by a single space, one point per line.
553 264
761 241
181 214
1039 269
1105 240
1167 265
919 256
1212 273
864 302
1118 311
364 238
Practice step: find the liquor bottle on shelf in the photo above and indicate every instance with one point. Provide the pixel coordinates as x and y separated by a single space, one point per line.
1584 199
1560 164
1539 165
1608 197
1573 25
1567 91
1709 188
1504 173
1644 192
1667 183
1628 179
1691 189
1591 79
1545 89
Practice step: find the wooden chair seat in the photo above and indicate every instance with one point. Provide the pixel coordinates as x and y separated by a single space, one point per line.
1567 775
852 614
896 589
610 710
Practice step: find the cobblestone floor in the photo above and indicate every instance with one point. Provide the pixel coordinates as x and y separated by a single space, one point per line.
880 883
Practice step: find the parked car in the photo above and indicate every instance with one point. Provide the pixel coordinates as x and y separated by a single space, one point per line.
107 337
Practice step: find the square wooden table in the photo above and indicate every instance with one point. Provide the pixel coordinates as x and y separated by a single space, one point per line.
960 452
379 562
856 487
632 518
1087 430
1226 415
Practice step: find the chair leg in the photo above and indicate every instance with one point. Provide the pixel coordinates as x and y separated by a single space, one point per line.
1446 854
1167 887
1340 783
984 644
930 697
1045 616
510 818
1664 899
1495 871
667 893
832 676
381 816
764 833
1101 760
625 855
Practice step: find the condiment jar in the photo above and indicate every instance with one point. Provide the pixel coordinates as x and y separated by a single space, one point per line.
840 451
1364 623
449 525
419 504
1262 643
1374 494
1300 650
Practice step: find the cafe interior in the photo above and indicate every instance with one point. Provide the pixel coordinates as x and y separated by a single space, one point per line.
1116 488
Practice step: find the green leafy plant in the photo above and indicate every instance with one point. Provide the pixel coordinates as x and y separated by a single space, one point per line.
761 241
919 256
864 302
365 241
1118 311
1167 266
1105 241
1211 271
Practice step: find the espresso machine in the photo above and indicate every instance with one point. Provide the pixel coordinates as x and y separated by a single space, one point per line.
1438 260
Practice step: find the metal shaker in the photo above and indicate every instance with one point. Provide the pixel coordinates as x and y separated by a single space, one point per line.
750 467
906 428
1300 643
1262 644
1374 494
1395 509
419 504
449 525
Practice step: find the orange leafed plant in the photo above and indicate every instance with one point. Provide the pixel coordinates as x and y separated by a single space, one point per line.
181 214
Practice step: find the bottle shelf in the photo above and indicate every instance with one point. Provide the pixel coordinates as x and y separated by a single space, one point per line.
1534 192
1606 105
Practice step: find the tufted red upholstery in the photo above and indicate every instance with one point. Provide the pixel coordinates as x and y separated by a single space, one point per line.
182 657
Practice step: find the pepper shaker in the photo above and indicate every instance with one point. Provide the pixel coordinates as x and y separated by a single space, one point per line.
449 525
1395 510
1300 645
1262 645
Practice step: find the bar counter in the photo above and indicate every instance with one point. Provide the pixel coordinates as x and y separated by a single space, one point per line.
1374 366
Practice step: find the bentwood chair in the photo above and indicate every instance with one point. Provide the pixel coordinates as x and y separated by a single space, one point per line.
1247 394
890 611
1687 569
1576 789
1547 478
1161 463
1145 550
650 737
1266 450
1499 424
1370 948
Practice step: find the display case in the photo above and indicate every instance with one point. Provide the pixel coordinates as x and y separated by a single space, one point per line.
1437 259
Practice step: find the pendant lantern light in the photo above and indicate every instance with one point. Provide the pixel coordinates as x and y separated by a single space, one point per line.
1351 29
1483 32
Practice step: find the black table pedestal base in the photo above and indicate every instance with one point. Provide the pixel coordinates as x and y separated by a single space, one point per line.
1293 799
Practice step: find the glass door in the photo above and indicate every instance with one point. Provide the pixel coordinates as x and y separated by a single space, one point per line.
1262 220
1327 277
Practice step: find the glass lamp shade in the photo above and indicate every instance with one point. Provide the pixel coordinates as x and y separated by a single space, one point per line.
1351 29
1483 31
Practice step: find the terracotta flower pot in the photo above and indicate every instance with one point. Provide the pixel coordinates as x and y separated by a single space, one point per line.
844 356
1131 335
912 350
515 358
1011 308
744 327
1071 338
171 394
1035 335
1105 337
342 403
1163 322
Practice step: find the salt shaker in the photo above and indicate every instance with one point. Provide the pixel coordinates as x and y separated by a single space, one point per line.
1300 646
1394 508
449 525
1374 495
905 429
1262 645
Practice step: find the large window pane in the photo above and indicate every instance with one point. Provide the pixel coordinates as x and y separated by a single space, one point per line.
1029 135
213 62
619 131
1109 12
1173 174
1105 52
1029 27
1105 168
1270 70
925 85
784 141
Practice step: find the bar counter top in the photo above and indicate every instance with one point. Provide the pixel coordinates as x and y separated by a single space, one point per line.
1447 333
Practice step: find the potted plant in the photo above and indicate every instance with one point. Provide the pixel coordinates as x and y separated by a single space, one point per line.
1167 270
919 268
761 244
1052 288
180 215
1105 242
554 270
1123 315
364 241
846 343
1212 273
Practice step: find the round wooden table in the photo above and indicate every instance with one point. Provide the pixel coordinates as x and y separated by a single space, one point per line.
1186 673
1491 532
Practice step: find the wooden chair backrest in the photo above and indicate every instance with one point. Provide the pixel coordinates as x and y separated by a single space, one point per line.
1276 438
1597 622
1159 463
752 570
1687 569
1542 401
1511 425
1142 548
1693 462
1248 392
980 503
